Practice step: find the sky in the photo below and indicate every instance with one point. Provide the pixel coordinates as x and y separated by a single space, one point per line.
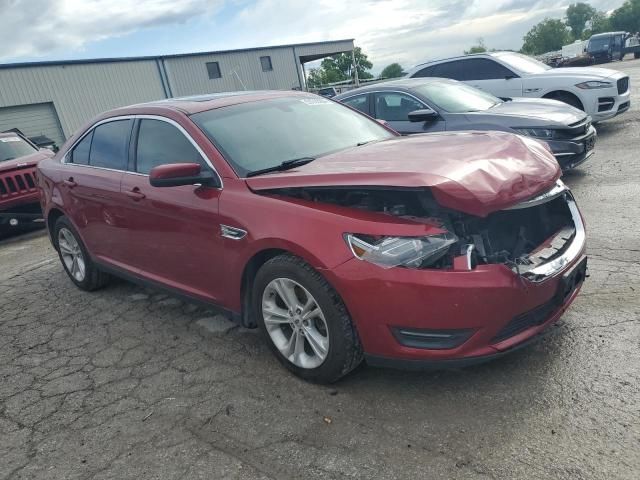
403 31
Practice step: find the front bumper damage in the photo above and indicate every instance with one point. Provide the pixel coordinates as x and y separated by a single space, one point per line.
502 306
574 151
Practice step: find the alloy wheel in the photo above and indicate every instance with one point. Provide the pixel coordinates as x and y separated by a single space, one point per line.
295 322
71 254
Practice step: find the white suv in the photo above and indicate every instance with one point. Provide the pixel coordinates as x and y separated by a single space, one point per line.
600 92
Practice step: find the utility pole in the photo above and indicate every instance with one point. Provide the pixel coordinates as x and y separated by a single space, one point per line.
356 80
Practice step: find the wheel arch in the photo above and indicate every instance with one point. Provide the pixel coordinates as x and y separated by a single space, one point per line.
554 94
259 257
52 217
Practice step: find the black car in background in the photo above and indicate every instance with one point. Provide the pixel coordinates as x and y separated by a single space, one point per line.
421 105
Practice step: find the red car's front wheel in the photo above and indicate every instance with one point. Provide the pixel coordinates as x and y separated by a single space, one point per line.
304 320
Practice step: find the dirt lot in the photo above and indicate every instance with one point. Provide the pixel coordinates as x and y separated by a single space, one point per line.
132 383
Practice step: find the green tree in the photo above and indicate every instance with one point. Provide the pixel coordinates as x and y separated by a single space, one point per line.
393 70
599 23
627 17
578 14
479 48
342 65
547 36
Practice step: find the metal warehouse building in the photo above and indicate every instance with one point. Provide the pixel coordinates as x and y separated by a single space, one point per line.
56 98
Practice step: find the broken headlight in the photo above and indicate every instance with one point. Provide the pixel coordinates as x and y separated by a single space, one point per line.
411 252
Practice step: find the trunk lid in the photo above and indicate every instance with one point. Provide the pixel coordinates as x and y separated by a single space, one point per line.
472 172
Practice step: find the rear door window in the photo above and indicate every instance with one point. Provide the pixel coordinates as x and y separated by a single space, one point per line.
454 70
485 69
110 145
160 143
359 102
425 72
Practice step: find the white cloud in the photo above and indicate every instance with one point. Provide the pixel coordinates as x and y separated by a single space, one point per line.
39 27
404 31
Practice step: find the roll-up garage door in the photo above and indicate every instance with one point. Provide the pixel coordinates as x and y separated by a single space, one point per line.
33 120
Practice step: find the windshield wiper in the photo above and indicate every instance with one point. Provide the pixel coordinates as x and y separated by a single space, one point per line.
7 159
286 165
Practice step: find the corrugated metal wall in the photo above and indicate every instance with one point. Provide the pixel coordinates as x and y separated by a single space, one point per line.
240 71
79 91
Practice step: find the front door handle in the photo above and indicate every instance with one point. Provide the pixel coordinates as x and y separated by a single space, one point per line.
69 182
135 194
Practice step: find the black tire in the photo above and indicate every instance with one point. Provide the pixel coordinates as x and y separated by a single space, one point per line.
636 54
93 278
567 98
345 351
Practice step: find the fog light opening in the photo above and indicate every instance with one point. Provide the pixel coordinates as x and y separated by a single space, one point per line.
431 339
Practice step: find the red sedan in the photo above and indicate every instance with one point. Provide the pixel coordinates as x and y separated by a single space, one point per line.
339 239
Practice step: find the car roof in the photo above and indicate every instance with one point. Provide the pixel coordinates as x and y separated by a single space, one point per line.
607 34
401 83
469 55
201 103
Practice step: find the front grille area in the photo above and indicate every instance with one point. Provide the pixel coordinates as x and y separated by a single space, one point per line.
14 183
575 130
527 320
605 103
623 85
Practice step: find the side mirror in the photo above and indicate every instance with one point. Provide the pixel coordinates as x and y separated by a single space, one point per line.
176 174
423 115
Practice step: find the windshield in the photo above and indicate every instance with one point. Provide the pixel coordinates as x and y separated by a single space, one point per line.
456 97
14 147
598 44
258 135
523 63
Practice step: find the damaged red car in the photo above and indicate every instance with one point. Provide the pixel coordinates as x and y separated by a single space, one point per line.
19 196
339 239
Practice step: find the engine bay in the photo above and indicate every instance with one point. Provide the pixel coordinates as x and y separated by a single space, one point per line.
520 238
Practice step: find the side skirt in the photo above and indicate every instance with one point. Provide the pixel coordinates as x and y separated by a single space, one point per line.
128 276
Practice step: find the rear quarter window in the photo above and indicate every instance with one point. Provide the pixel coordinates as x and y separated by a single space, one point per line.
110 145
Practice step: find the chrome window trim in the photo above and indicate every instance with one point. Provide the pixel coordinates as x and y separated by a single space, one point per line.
392 91
170 121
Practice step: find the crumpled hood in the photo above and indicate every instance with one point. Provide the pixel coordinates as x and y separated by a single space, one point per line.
472 172
25 162
548 112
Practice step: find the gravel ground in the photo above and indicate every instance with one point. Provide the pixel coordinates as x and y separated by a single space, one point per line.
133 383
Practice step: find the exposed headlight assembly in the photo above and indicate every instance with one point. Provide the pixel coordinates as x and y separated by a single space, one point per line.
410 252
594 84
537 132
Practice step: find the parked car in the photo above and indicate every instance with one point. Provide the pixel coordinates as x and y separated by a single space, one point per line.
328 92
420 105
612 46
339 239
19 196
601 93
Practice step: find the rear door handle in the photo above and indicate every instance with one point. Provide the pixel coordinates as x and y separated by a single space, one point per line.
135 194
70 182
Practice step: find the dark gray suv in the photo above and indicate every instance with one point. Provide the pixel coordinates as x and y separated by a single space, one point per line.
421 105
